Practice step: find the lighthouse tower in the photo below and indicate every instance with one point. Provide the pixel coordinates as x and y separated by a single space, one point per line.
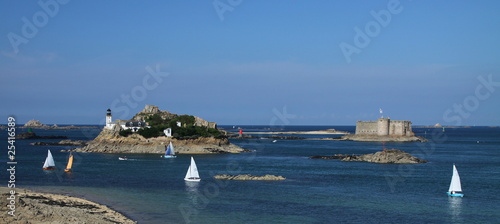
109 120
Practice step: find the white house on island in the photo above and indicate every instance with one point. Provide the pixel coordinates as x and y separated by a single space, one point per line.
125 125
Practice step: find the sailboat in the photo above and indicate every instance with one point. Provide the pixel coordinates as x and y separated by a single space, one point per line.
49 162
192 172
455 189
70 163
170 153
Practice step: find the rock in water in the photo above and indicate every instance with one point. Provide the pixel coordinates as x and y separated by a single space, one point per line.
63 143
35 124
384 156
249 177
32 135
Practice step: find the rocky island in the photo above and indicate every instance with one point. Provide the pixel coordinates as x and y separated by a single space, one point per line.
150 130
36 124
385 156
32 135
66 142
245 177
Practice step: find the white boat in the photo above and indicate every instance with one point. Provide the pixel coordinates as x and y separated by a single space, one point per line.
170 152
122 158
192 172
455 189
49 162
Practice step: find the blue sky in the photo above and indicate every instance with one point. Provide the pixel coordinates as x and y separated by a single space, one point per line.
251 62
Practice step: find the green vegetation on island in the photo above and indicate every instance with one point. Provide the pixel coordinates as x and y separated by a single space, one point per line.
186 130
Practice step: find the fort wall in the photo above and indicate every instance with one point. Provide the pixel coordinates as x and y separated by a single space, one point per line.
384 127
366 128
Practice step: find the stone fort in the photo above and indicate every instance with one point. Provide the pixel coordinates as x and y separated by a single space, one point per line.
384 127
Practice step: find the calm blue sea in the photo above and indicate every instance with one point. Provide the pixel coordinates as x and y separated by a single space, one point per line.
151 189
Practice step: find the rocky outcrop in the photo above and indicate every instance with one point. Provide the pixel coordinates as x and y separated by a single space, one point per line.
32 135
35 124
282 137
110 141
245 177
203 123
63 143
151 110
377 138
33 207
384 156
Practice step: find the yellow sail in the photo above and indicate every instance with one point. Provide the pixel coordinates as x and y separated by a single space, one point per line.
70 163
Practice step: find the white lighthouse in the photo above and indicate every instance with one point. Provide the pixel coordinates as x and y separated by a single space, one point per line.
109 120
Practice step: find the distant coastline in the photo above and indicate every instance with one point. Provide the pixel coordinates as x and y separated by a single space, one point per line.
67 127
466 126
319 132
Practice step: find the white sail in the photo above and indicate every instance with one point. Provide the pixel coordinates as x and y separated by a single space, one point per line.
192 173
455 181
49 161
172 151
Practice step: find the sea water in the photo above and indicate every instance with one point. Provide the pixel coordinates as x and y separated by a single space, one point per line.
151 189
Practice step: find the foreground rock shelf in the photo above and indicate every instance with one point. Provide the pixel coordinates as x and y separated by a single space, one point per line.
385 156
245 177
33 207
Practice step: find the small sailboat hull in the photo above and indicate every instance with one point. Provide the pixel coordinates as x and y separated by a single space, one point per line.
169 156
455 194
48 168
192 179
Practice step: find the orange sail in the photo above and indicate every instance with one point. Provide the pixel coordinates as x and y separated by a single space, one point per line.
70 163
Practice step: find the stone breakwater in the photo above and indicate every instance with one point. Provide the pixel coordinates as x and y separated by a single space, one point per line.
385 156
109 141
245 177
